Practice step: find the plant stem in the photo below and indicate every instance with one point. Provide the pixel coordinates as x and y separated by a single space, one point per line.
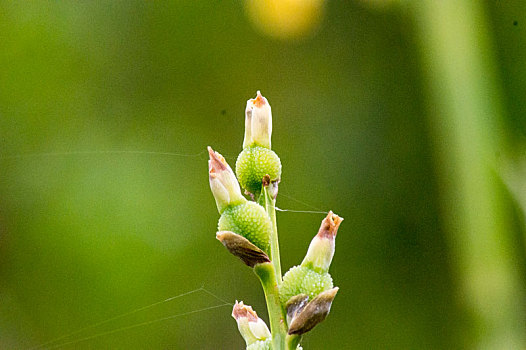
278 325
270 206
293 341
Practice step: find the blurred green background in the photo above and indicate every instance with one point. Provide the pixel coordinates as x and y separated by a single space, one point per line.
358 101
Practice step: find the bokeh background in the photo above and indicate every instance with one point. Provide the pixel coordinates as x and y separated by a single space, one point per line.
407 118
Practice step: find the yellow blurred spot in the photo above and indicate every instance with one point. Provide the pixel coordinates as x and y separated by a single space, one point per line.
285 19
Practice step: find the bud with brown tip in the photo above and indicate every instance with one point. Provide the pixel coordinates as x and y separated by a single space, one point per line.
223 182
252 328
238 215
312 276
257 159
258 122
321 249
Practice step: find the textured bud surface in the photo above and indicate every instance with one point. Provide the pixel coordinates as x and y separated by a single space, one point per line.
264 345
250 221
300 279
261 345
255 162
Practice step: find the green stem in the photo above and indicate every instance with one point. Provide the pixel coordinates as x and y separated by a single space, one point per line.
278 324
270 206
292 341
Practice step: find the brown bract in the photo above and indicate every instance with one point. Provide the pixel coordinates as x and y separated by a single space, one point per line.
242 248
315 312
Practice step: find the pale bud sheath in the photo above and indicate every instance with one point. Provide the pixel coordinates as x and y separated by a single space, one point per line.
251 327
321 249
258 122
223 182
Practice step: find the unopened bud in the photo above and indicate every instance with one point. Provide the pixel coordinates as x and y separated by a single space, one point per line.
321 249
257 159
223 182
242 248
249 220
258 122
303 280
314 313
251 327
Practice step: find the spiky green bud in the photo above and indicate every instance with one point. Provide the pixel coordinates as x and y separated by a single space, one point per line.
302 280
312 277
253 163
250 221
257 159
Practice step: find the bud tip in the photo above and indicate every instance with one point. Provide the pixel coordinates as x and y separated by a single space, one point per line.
242 310
216 162
329 225
259 100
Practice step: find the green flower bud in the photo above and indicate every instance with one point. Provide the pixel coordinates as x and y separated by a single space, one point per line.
312 277
223 182
252 328
249 220
321 249
302 280
253 163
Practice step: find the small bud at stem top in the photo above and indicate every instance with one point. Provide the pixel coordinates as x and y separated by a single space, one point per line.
258 122
321 249
223 182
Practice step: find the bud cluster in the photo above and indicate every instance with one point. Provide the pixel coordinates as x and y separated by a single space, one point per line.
247 228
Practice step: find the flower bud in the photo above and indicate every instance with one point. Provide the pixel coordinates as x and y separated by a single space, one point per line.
258 122
254 163
312 277
257 159
249 220
302 280
321 249
242 248
252 328
313 313
223 182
